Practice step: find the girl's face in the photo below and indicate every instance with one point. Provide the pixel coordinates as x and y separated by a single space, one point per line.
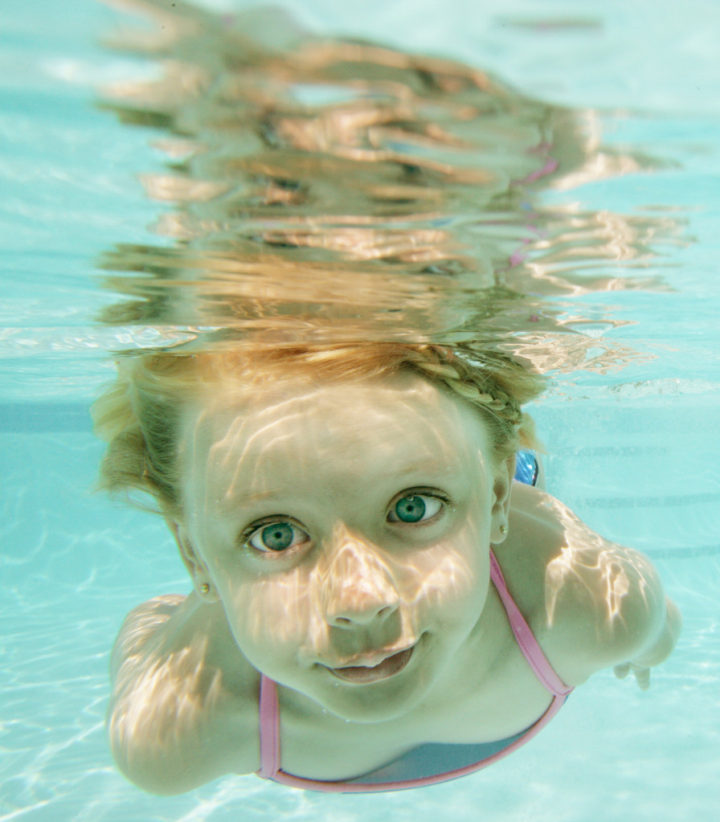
346 530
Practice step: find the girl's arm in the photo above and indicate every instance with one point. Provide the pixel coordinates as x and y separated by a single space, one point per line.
177 717
603 605
616 610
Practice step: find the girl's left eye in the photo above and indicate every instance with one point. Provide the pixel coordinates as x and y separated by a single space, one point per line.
277 536
414 508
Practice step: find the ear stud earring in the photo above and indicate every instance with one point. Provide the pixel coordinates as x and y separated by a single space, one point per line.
205 588
503 529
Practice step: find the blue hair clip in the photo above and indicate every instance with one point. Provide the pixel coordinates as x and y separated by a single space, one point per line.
526 467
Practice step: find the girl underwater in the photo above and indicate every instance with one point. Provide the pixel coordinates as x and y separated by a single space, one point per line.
376 603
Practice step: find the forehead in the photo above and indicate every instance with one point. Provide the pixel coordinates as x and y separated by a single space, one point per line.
234 433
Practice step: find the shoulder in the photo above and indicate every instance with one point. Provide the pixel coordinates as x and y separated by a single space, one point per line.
593 603
183 708
141 625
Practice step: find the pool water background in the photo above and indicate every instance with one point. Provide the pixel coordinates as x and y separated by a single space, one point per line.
635 452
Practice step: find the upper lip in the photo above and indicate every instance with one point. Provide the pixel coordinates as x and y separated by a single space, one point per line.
369 660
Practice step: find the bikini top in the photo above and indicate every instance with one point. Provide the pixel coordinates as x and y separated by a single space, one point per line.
433 762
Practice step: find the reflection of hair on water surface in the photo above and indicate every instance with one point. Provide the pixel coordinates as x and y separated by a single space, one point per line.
358 284
331 190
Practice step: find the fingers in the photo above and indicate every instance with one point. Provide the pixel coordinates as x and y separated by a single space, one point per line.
621 671
642 675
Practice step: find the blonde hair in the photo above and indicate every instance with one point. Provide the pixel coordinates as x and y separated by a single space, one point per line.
139 416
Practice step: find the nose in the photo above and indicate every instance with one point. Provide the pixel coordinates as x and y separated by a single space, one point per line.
358 588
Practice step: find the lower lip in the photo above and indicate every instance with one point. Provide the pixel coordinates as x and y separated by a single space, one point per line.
387 668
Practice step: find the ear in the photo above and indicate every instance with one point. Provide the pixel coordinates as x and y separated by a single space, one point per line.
502 488
193 562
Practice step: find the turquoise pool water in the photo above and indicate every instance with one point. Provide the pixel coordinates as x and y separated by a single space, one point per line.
635 451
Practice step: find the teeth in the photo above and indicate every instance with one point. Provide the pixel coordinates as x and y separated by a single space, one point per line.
365 673
374 664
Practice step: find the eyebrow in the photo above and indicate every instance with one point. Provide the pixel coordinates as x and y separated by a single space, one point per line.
231 500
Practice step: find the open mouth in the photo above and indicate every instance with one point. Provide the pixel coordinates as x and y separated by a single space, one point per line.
390 666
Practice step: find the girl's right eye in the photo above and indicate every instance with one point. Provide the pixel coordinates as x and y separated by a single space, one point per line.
277 536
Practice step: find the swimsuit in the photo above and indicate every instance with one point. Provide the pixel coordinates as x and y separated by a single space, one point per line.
432 762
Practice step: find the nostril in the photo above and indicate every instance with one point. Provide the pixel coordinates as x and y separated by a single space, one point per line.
362 617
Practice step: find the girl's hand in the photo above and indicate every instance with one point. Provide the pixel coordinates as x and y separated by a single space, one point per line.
657 653
642 675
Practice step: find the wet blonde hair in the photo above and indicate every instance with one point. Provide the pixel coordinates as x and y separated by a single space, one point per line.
139 416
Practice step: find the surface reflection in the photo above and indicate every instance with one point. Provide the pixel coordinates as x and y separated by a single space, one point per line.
325 190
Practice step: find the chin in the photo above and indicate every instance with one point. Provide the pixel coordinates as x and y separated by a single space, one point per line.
368 709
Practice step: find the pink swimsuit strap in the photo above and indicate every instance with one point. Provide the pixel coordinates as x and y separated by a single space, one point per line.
269 729
524 636
533 653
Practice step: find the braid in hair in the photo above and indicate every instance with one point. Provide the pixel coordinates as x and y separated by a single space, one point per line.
480 379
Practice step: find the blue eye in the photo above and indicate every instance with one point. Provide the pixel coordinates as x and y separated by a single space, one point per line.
277 536
415 508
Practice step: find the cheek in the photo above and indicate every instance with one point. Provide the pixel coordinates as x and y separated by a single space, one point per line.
451 579
274 610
